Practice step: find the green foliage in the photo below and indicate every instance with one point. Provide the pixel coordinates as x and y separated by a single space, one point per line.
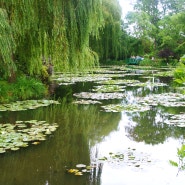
179 73
7 45
173 163
146 62
181 156
162 29
171 33
149 62
24 88
182 59
108 46
57 30
6 94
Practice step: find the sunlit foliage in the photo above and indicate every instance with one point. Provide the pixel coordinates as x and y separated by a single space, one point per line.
33 32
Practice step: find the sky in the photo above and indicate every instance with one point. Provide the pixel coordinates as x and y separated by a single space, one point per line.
126 6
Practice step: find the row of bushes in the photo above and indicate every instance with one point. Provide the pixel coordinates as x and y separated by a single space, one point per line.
24 88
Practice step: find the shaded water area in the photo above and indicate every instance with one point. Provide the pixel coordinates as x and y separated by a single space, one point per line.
90 135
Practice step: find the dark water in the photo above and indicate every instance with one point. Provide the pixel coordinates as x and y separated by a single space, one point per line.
86 133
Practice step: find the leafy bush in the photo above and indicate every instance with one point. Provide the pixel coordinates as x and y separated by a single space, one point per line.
166 54
149 62
146 62
182 59
6 94
24 88
179 73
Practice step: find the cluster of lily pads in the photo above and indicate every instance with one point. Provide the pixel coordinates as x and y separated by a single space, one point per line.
145 103
65 80
108 88
81 169
123 81
125 108
164 99
99 96
177 120
86 102
113 157
22 133
130 157
169 73
152 84
27 104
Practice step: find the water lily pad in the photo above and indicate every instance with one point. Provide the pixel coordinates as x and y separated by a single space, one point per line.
164 99
125 108
2 150
108 88
27 104
124 81
80 165
86 102
78 173
15 148
99 96
177 120
73 170
23 133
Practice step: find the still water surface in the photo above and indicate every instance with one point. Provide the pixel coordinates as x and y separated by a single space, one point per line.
86 133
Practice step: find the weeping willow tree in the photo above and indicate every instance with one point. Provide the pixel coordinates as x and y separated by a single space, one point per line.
53 30
7 45
109 45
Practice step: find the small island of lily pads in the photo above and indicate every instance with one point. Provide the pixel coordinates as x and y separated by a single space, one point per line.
25 105
23 133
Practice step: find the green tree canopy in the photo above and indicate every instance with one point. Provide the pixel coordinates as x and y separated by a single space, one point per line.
56 31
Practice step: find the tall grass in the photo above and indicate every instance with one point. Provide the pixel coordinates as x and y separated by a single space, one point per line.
24 88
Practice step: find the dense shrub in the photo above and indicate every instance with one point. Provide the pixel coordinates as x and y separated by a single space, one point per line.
179 73
24 88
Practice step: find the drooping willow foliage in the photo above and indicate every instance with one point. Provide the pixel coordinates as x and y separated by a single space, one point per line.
57 31
109 45
6 44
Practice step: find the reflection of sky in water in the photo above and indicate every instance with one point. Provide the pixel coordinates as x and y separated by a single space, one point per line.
156 172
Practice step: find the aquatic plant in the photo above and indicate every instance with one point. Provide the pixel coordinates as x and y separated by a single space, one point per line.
176 120
181 162
27 104
125 108
108 88
23 133
99 96
114 82
86 102
130 157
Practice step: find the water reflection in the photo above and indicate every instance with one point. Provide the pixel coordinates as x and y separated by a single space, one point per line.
80 128
149 128
86 133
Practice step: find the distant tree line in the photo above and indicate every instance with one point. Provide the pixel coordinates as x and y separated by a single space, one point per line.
159 28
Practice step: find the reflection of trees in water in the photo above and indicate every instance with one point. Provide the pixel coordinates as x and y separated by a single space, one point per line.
95 175
79 128
150 127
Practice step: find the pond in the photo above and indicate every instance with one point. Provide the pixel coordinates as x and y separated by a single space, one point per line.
114 126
